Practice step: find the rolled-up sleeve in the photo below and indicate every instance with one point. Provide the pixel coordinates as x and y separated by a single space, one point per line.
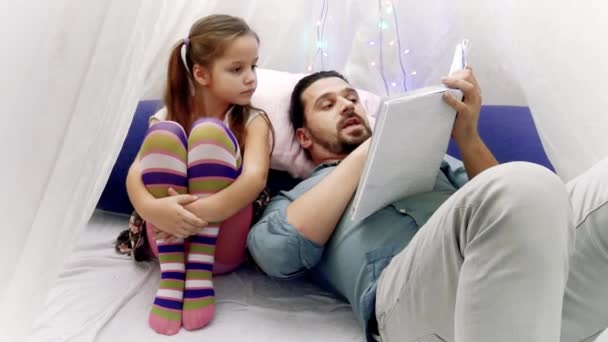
278 247
454 170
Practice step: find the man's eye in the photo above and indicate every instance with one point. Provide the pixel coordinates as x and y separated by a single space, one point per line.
327 106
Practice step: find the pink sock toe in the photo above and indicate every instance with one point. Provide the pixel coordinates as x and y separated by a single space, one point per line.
198 318
163 326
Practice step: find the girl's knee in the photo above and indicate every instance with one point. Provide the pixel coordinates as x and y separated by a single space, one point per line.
166 137
214 131
208 123
168 127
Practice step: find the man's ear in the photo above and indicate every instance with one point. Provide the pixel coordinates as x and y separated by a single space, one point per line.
303 137
201 75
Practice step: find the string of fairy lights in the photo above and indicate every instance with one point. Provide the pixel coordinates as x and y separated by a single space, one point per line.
387 23
321 42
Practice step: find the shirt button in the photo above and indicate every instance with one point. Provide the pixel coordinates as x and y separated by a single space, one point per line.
403 211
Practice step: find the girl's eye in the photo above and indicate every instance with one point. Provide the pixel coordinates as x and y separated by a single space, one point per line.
236 70
327 106
354 100
253 67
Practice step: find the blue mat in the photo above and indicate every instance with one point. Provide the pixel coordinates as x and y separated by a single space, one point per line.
508 131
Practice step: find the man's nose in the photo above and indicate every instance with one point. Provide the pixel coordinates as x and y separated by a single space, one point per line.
347 106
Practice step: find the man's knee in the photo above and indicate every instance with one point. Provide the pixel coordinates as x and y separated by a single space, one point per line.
529 185
535 202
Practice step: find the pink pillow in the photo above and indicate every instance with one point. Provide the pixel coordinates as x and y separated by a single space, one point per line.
273 95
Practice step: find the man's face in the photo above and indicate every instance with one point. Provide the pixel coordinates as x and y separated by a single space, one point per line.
335 120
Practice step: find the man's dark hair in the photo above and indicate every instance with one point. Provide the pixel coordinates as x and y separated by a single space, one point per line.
296 106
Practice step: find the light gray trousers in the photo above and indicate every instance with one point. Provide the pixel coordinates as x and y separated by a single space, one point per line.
514 255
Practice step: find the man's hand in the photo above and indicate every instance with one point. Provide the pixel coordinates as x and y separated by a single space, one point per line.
475 154
467 117
171 218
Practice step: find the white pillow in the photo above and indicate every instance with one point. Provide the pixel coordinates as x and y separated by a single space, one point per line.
273 95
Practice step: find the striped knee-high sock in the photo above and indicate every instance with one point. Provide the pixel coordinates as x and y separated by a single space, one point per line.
163 162
213 164
166 313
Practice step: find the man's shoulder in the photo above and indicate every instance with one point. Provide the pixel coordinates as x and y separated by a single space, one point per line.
303 186
308 183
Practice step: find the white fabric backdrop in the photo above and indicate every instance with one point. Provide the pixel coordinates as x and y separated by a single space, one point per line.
74 71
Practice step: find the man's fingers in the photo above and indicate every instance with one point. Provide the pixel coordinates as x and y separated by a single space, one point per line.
457 83
467 75
454 102
471 92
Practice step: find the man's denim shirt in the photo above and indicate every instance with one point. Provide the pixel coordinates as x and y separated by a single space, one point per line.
352 260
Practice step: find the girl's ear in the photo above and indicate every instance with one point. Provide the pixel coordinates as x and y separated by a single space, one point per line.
201 75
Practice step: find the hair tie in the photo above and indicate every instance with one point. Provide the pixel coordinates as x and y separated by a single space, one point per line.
184 48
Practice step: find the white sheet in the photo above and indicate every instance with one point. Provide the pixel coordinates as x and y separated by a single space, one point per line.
92 301
92 62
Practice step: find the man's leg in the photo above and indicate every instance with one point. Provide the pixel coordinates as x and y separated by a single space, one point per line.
490 265
585 310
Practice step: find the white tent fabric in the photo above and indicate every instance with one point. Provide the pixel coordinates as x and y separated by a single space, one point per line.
73 72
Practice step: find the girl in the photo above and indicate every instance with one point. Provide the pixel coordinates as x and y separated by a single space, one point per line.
189 182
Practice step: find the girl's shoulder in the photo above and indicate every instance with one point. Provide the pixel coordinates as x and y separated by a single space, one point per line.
253 114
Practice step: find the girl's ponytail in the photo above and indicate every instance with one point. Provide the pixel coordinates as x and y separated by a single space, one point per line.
177 91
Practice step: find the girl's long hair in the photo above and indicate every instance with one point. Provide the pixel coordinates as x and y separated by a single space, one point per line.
208 39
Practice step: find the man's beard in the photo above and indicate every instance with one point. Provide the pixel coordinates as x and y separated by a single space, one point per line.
344 145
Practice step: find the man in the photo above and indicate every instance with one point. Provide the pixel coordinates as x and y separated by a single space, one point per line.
495 259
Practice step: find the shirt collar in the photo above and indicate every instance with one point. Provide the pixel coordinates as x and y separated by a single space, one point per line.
325 165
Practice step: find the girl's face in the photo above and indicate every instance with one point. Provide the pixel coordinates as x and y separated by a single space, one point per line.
232 78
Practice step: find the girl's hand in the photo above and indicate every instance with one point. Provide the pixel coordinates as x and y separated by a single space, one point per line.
172 219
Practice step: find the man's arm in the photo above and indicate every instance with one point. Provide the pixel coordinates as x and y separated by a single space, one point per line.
316 213
475 154
277 247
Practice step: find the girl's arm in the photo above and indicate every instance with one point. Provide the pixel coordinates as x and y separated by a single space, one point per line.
247 187
167 214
